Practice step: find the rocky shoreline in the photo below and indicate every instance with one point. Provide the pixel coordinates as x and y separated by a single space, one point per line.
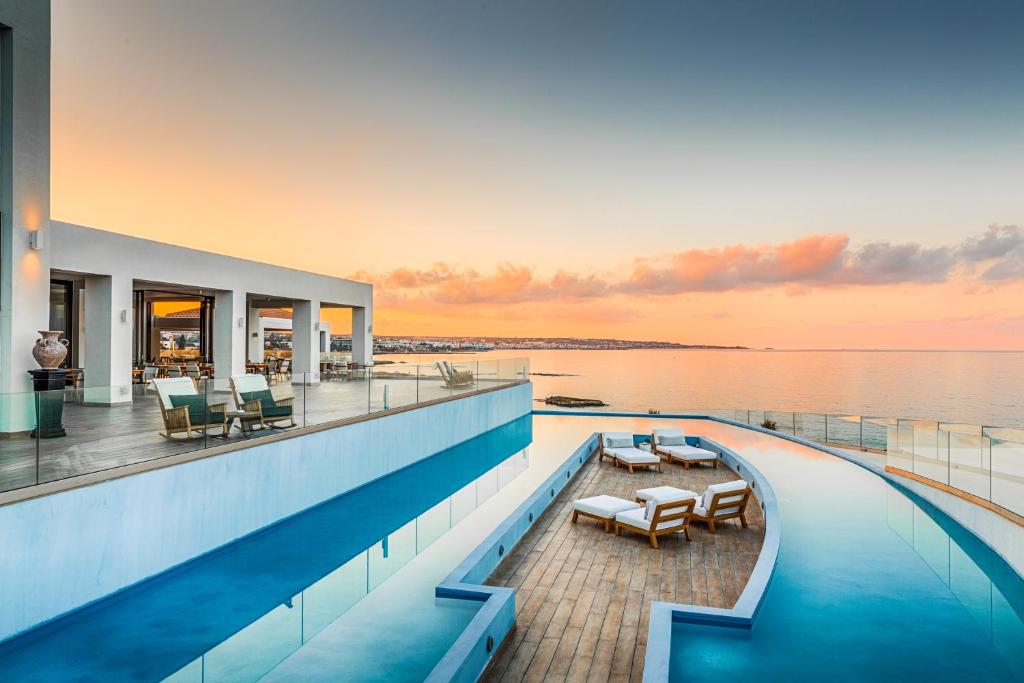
572 402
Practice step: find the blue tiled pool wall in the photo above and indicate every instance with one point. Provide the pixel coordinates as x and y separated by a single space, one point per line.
64 551
469 656
277 588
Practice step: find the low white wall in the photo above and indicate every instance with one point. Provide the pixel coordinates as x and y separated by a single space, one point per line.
63 551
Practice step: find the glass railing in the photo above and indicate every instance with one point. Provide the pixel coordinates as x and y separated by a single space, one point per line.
985 462
47 436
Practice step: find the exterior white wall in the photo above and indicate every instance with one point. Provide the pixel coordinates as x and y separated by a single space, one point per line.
229 327
89 251
80 249
362 334
68 549
24 197
306 342
108 326
254 336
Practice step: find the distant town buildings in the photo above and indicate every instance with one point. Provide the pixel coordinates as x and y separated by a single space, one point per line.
384 344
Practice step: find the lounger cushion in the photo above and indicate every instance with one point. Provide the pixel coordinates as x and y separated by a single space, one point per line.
664 493
197 410
636 518
617 440
604 506
668 437
264 396
275 411
633 456
688 452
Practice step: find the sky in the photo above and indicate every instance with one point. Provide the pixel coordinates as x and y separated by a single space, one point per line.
782 174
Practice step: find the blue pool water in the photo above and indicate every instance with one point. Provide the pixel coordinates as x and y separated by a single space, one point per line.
871 582
237 613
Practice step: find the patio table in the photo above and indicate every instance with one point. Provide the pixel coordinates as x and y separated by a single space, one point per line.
248 420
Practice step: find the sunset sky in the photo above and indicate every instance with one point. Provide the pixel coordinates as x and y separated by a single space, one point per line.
790 174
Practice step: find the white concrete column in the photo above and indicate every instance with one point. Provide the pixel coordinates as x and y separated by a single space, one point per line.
229 347
362 335
108 335
254 335
306 342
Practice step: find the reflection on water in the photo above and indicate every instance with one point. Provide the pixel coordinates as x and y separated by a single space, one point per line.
263 644
992 596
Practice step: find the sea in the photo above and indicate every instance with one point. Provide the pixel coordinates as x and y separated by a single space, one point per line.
969 387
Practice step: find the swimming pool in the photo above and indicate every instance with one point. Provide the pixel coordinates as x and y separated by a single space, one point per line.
871 581
238 612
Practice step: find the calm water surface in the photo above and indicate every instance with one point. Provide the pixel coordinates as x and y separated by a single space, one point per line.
973 387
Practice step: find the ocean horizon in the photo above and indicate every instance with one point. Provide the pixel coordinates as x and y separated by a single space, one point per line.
969 387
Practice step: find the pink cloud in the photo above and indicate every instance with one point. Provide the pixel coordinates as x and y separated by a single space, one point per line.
797 267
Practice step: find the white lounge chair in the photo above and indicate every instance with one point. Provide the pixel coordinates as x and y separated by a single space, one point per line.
720 502
658 518
671 445
619 447
252 394
184 409
602 508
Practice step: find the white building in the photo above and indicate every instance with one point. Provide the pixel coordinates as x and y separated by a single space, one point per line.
99 287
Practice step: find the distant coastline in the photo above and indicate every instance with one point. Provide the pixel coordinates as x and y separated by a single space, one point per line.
388 344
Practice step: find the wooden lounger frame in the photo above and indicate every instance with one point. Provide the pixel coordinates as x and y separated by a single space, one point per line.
719 501
672 458
607 520
616 462
665 512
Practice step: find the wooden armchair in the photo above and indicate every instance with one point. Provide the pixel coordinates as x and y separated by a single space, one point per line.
252 395
453 378
657 519
723 501
192 413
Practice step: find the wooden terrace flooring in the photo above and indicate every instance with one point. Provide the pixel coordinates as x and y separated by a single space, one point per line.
106 437
583 597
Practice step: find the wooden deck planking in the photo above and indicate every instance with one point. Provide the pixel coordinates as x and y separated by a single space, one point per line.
104 437
583 596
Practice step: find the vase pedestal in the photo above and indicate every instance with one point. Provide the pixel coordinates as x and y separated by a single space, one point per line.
49 384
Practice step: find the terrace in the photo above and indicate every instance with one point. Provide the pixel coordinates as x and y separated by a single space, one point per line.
584 596
105 437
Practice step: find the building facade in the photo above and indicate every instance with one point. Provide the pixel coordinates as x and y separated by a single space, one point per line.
99 287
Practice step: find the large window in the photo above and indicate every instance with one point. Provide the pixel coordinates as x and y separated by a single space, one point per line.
277 343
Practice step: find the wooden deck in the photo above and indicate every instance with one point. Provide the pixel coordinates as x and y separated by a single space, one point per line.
583 596
104 437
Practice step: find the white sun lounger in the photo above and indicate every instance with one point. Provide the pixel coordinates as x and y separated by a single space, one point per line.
619 447
602 508
671 443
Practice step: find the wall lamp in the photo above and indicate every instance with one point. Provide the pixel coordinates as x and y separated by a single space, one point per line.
35 240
